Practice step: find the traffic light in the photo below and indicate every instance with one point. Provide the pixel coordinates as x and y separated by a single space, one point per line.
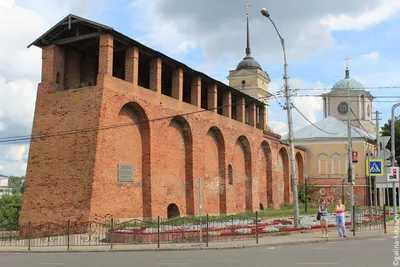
354 157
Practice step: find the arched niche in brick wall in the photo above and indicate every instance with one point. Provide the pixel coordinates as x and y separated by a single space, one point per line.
265 175
243 174
214 197
139 139
284 158
183 127
299 167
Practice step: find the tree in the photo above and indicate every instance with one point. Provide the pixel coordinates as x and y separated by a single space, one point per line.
16 183
305 191
386 131
10 205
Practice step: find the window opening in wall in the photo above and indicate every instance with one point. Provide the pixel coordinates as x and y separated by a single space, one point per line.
80 69
166 79
247 114
58 78
230 174
234 116
172 211
144 70
204 95
261 206
220 101
119 63
187 87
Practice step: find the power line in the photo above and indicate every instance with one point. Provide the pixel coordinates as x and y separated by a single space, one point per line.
362 126
13 139
351 88
322 130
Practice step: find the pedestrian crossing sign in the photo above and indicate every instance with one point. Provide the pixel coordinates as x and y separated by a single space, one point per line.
375 167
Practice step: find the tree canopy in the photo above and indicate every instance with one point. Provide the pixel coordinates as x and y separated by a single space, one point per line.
386 131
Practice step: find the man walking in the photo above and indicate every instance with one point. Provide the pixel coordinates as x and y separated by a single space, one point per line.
340 219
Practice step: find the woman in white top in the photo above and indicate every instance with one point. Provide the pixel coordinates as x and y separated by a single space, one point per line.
340 219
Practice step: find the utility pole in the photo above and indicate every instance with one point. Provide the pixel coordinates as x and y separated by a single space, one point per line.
266 14
350 149
393 154
369 178
378 151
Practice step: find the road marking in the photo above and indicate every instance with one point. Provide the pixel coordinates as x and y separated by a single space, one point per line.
376 239
52 263
317 263
271 247
321 248
172 264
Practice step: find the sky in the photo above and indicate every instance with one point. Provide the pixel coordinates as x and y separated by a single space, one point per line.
209 36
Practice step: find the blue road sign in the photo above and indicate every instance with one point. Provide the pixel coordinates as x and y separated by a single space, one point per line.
375 167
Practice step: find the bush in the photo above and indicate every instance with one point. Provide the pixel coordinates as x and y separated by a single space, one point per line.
10 205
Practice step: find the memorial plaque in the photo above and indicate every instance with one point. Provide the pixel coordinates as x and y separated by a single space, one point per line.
125 173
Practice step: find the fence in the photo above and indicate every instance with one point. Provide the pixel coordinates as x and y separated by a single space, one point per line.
370 218
165 231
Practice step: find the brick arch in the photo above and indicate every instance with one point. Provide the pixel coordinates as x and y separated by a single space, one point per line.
181 124
283 154
137 114
299 167
266 190
243 177
215 174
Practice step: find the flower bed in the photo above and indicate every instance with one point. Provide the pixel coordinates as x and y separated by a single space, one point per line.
218 231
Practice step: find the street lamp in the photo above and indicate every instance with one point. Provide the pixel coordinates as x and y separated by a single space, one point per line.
265 13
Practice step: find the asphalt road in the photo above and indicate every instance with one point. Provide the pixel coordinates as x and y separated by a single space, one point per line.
373 252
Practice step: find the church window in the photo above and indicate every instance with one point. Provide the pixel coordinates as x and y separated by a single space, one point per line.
322 164
230 174
335 159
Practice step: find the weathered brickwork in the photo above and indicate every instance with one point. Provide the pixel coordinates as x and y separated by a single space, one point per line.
75 176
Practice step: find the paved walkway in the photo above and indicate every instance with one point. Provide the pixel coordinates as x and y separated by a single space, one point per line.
274 240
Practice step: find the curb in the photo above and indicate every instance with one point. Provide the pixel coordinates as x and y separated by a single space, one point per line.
197 248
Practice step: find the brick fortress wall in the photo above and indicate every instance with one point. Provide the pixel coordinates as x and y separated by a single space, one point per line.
75 176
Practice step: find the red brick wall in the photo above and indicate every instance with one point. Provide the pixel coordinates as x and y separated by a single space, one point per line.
76 176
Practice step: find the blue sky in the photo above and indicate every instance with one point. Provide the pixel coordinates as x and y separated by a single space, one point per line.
210 36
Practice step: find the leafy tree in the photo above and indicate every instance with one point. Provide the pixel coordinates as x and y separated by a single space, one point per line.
16 183
305 190
10 205
386 131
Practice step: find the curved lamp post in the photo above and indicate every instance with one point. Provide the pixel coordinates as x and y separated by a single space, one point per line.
265 13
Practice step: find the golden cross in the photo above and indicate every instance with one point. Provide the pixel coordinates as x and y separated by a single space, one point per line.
347 62
247 6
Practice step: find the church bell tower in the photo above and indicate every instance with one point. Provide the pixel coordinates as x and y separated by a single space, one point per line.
248 77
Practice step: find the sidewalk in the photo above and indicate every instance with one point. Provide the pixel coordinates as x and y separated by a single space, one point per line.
267 241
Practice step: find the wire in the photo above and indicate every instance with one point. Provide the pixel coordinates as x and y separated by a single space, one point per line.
12 139
355 88
314 124
362 126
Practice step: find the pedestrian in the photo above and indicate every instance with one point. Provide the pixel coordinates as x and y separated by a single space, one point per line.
340 219
323 210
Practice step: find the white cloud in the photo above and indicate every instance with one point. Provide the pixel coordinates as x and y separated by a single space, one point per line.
17 152
278 127
371 16
187 45
1 167
166 26
22 22
371 56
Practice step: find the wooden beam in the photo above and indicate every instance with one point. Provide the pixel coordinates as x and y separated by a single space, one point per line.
76 38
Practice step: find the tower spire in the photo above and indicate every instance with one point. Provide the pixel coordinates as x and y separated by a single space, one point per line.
347 67
248 50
